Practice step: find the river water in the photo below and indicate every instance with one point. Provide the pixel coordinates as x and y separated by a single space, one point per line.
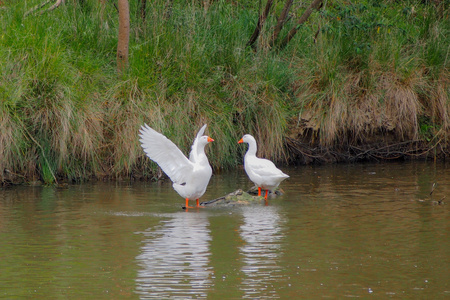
339 231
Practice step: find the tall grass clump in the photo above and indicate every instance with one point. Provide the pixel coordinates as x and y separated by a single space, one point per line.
55 123
373 72
199 69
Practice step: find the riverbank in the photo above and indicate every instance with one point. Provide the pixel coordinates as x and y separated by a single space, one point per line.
359 81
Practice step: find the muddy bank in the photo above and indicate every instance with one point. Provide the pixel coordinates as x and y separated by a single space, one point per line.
302 152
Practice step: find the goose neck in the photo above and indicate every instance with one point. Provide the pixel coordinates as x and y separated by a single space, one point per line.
252 148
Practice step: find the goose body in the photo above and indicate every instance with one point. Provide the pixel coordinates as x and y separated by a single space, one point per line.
190 176
262 172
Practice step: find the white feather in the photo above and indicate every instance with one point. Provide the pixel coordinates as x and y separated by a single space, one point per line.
190 176
262 172
193 156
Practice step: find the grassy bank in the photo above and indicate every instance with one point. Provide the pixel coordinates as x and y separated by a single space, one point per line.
354 75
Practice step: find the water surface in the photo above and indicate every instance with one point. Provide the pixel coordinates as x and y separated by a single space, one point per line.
356 231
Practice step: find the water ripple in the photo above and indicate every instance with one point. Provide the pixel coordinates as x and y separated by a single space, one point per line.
261 233
175 259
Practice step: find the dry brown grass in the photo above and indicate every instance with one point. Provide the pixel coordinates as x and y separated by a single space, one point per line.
258 111
128 108
440 108
66 133
401 107
10 138
347 113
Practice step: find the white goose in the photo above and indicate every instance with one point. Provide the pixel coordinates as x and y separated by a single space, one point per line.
261 171
191 176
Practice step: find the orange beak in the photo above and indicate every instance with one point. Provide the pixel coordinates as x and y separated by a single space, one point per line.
240 141
210 140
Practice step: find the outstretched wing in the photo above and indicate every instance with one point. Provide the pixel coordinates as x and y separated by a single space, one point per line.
166 154
194 149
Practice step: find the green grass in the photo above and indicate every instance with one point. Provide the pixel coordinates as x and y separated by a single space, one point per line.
376 66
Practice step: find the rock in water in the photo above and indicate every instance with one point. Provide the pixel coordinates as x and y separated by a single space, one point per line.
238 197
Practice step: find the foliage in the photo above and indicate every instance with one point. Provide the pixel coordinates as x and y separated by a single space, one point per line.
354 69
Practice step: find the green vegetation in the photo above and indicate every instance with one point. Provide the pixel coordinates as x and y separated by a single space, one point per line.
353 72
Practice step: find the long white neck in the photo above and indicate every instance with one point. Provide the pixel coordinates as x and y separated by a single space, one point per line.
199 153
252 148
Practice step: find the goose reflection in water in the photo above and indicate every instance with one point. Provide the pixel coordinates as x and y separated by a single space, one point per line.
175 259
261 233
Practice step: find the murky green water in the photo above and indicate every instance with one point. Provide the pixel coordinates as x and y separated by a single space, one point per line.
369 230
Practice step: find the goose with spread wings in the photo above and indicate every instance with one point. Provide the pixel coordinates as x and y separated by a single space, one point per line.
191 176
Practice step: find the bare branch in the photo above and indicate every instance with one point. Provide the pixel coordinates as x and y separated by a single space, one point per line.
39 6
56 5
261 20
33 9
314 5
281 21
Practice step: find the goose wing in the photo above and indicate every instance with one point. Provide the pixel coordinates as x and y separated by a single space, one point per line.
265 168
166 154
193 156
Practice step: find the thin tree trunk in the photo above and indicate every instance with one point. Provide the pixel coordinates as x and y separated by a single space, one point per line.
281 21
124 36
314 5
262 18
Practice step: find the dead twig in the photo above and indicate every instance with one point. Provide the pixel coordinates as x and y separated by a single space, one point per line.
433 187
57 4
39 6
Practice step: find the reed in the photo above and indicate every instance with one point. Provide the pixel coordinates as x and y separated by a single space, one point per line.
374 69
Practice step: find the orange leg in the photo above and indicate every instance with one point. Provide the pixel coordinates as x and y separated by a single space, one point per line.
187 204
259 191
265 197
198 204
